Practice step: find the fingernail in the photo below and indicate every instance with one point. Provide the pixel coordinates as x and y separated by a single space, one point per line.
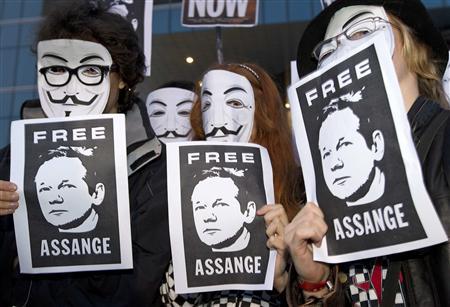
14 205
13 186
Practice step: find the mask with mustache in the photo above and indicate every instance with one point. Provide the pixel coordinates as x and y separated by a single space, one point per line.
73 98
168 109
228 106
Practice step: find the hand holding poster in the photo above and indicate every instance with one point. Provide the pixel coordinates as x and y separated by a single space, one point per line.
218 242
358 158
73 213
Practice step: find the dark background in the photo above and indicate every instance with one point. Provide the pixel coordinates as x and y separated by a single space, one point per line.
196 249
107 225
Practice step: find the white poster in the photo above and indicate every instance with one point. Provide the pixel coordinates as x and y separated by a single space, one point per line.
358 158
218 242
446 80
139 13
73 185
294 73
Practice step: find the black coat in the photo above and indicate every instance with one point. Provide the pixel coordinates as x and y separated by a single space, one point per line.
427 270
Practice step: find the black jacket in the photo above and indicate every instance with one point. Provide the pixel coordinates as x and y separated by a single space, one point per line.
426 272
150 243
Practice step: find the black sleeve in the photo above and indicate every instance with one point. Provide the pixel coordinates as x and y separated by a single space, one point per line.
7 239
150 230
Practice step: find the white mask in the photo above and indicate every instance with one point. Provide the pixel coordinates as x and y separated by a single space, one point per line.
73 98
168 110
350 19
228 106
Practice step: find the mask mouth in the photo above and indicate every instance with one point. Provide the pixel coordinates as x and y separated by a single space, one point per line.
224 130
74 99
173 134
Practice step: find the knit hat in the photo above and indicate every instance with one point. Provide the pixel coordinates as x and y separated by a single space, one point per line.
411 12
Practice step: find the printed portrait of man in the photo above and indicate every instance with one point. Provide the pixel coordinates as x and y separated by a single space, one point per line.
351 149
69 192
222 209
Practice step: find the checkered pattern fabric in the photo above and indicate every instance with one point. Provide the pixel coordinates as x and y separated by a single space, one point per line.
362 290
214 299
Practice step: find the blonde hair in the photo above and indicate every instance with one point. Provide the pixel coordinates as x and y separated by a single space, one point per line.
421 61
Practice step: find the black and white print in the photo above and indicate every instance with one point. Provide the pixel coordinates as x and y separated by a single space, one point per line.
140 14
219 13
70 200
218 242
326 3
359 160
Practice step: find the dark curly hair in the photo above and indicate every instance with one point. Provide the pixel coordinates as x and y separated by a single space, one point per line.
90 20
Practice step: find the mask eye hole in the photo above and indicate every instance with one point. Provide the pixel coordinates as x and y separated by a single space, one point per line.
325 54
359 33
157 113
205 106
235 103
91 71
184 113
362 28
57 70
325 48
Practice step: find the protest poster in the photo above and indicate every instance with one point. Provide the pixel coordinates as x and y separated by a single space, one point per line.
446 80
73 210
358 158
223 13
140 14
326 3
218 242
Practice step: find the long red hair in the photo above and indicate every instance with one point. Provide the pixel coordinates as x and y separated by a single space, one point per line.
270 129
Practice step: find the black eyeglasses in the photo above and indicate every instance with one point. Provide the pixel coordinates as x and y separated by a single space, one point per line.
354 32
90 74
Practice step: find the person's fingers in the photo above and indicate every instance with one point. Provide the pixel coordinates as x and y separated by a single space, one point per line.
6 211
7 186
274 211
310 230
277 212
275 228
306 216
264 209
9 196
9 205
311 207
275 234
268 208
276 242
309 211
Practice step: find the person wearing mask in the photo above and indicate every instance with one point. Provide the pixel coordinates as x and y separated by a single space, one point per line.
420 56
89 62
241 103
